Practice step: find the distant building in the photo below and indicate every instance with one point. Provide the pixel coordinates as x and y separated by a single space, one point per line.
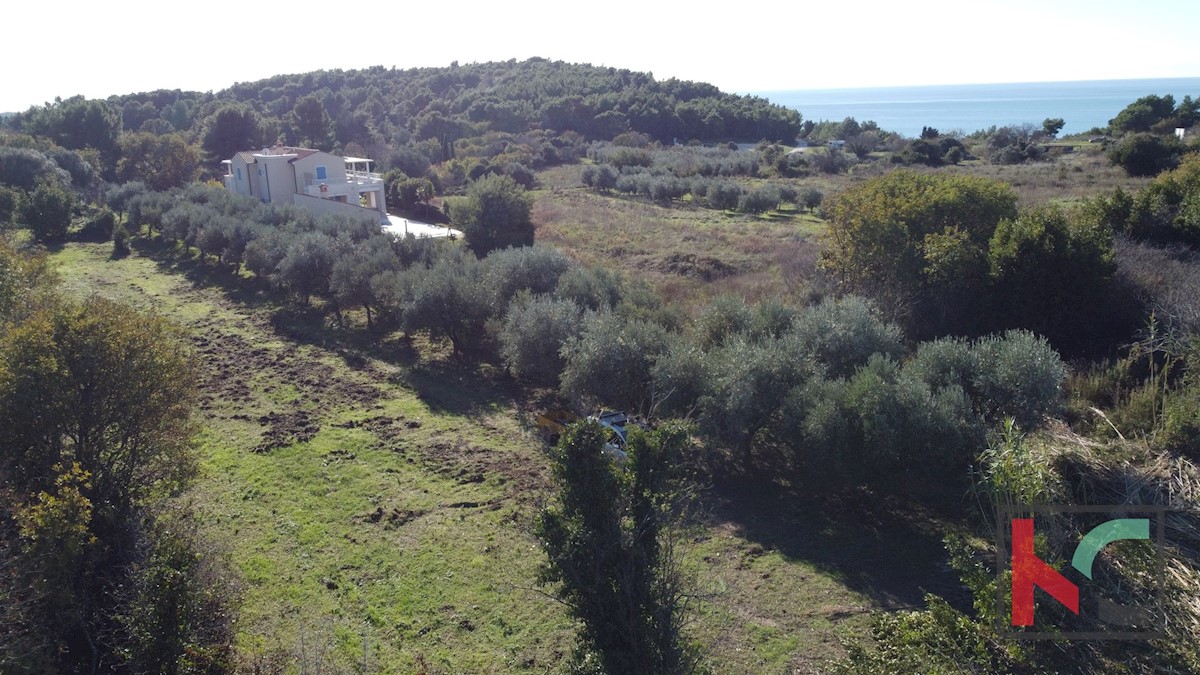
316 180
837 144
1180 133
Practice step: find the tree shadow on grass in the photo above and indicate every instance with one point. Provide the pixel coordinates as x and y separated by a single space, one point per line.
207 273
456 386
885 547
463 388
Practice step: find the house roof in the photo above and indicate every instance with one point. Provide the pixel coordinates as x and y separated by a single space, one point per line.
300 153
249 156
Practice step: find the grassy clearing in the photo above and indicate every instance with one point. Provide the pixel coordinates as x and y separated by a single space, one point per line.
689 253
352 507
369 489
1084 172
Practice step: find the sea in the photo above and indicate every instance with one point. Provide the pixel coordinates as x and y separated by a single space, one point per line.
971 107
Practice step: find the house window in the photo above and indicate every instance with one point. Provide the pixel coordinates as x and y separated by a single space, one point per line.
239 173
321 173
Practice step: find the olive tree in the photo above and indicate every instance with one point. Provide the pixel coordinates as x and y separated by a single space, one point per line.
494 214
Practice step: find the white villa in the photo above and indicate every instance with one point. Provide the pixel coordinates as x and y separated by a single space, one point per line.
319 181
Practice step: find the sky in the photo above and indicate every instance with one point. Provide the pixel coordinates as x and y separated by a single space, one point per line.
66 47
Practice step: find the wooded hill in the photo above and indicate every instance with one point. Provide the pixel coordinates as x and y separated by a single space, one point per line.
430 108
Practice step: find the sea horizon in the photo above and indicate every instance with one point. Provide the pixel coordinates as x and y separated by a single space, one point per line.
1082 104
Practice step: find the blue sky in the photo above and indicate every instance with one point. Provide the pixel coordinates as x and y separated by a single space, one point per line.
98 49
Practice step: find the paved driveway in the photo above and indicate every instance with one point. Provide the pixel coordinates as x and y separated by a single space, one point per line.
401 226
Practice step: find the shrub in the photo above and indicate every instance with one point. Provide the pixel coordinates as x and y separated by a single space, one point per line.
494 214
529 268
1013 145
1015 375
1052 275
772 320
46 211
8 202
721 320
520 173
885 426
843 334
610 362
99 227
534 332
724 195
178 613
592 288
938 639
120 239
1145 154
946 362
829 160
880 235
760 200
1010 475
452 299
1021 376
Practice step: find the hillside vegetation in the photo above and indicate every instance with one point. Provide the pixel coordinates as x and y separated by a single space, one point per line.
848 359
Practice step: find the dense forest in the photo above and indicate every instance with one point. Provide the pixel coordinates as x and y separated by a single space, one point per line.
950 338
382 110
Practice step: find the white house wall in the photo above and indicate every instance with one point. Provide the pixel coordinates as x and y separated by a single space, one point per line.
279 181
328 206
306 170
242 184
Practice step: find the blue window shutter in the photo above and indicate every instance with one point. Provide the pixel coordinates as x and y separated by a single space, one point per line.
321 173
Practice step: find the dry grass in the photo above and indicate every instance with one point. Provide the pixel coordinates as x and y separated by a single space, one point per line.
1130 472
769 255
688 253
1067 178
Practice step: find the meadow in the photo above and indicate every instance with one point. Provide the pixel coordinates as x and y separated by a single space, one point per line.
375 498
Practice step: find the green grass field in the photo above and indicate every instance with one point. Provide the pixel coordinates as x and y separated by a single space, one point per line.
372 489
368 489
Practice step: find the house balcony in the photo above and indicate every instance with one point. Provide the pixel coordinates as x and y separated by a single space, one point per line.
362 192
363 177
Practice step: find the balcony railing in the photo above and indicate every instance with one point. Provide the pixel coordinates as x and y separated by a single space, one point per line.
355 176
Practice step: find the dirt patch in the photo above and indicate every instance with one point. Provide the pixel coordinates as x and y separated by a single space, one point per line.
284 429
294 388
391 518
386 429
690 265
469 463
